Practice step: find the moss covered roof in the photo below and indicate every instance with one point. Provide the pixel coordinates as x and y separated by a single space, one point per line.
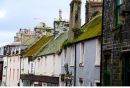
35 47
91 29
29 41
54 46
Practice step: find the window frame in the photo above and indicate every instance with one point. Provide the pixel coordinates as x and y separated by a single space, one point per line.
72 55
118 4
82 53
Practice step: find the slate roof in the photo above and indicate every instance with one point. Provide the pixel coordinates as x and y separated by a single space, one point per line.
29 41
43 47
55 45
36 46
91 29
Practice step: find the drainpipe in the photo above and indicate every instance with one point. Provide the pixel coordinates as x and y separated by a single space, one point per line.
101 72
75 66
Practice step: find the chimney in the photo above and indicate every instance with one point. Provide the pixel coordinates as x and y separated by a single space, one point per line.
60 15
86 11
75 18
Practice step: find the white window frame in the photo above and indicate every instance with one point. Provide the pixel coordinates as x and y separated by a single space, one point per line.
64 56
72 55
98 54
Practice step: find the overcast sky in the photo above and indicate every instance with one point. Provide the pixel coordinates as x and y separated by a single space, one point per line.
16 14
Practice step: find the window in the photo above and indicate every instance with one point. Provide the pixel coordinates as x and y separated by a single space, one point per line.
64 56
81 81
10 60
17 74
81 54
14 59
10 74
118 5
72 56
54 59
13 73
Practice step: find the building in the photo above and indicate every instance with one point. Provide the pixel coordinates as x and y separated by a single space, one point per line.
44 62
1 63
1 68
116 43
11 64
25 36
41 29
81 53
92 7
49 61
82 57
27 75
60 25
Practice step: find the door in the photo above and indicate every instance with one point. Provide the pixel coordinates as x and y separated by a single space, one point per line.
1 70
107 70
127 70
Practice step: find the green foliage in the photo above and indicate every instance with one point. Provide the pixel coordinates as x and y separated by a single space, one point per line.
77 32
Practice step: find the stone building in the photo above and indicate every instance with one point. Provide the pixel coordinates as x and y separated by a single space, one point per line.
60 25
41 29
92 8
25 36
116 43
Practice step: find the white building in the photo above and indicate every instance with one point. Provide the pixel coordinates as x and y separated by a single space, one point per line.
11 64
27 63
42 67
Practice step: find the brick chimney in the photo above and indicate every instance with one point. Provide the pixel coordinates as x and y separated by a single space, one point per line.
75 18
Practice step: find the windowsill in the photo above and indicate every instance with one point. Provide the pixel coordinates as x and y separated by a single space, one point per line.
97 65
71 65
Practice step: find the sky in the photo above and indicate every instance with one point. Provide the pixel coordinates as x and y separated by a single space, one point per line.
16 14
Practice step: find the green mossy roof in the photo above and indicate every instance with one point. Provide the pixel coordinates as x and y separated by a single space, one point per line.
91 29
54 46
34 48
29 41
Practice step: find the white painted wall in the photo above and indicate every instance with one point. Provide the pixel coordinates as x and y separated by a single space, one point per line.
90 70
24 65
11 70
48 65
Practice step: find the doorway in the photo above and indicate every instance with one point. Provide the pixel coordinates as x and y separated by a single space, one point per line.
127 69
